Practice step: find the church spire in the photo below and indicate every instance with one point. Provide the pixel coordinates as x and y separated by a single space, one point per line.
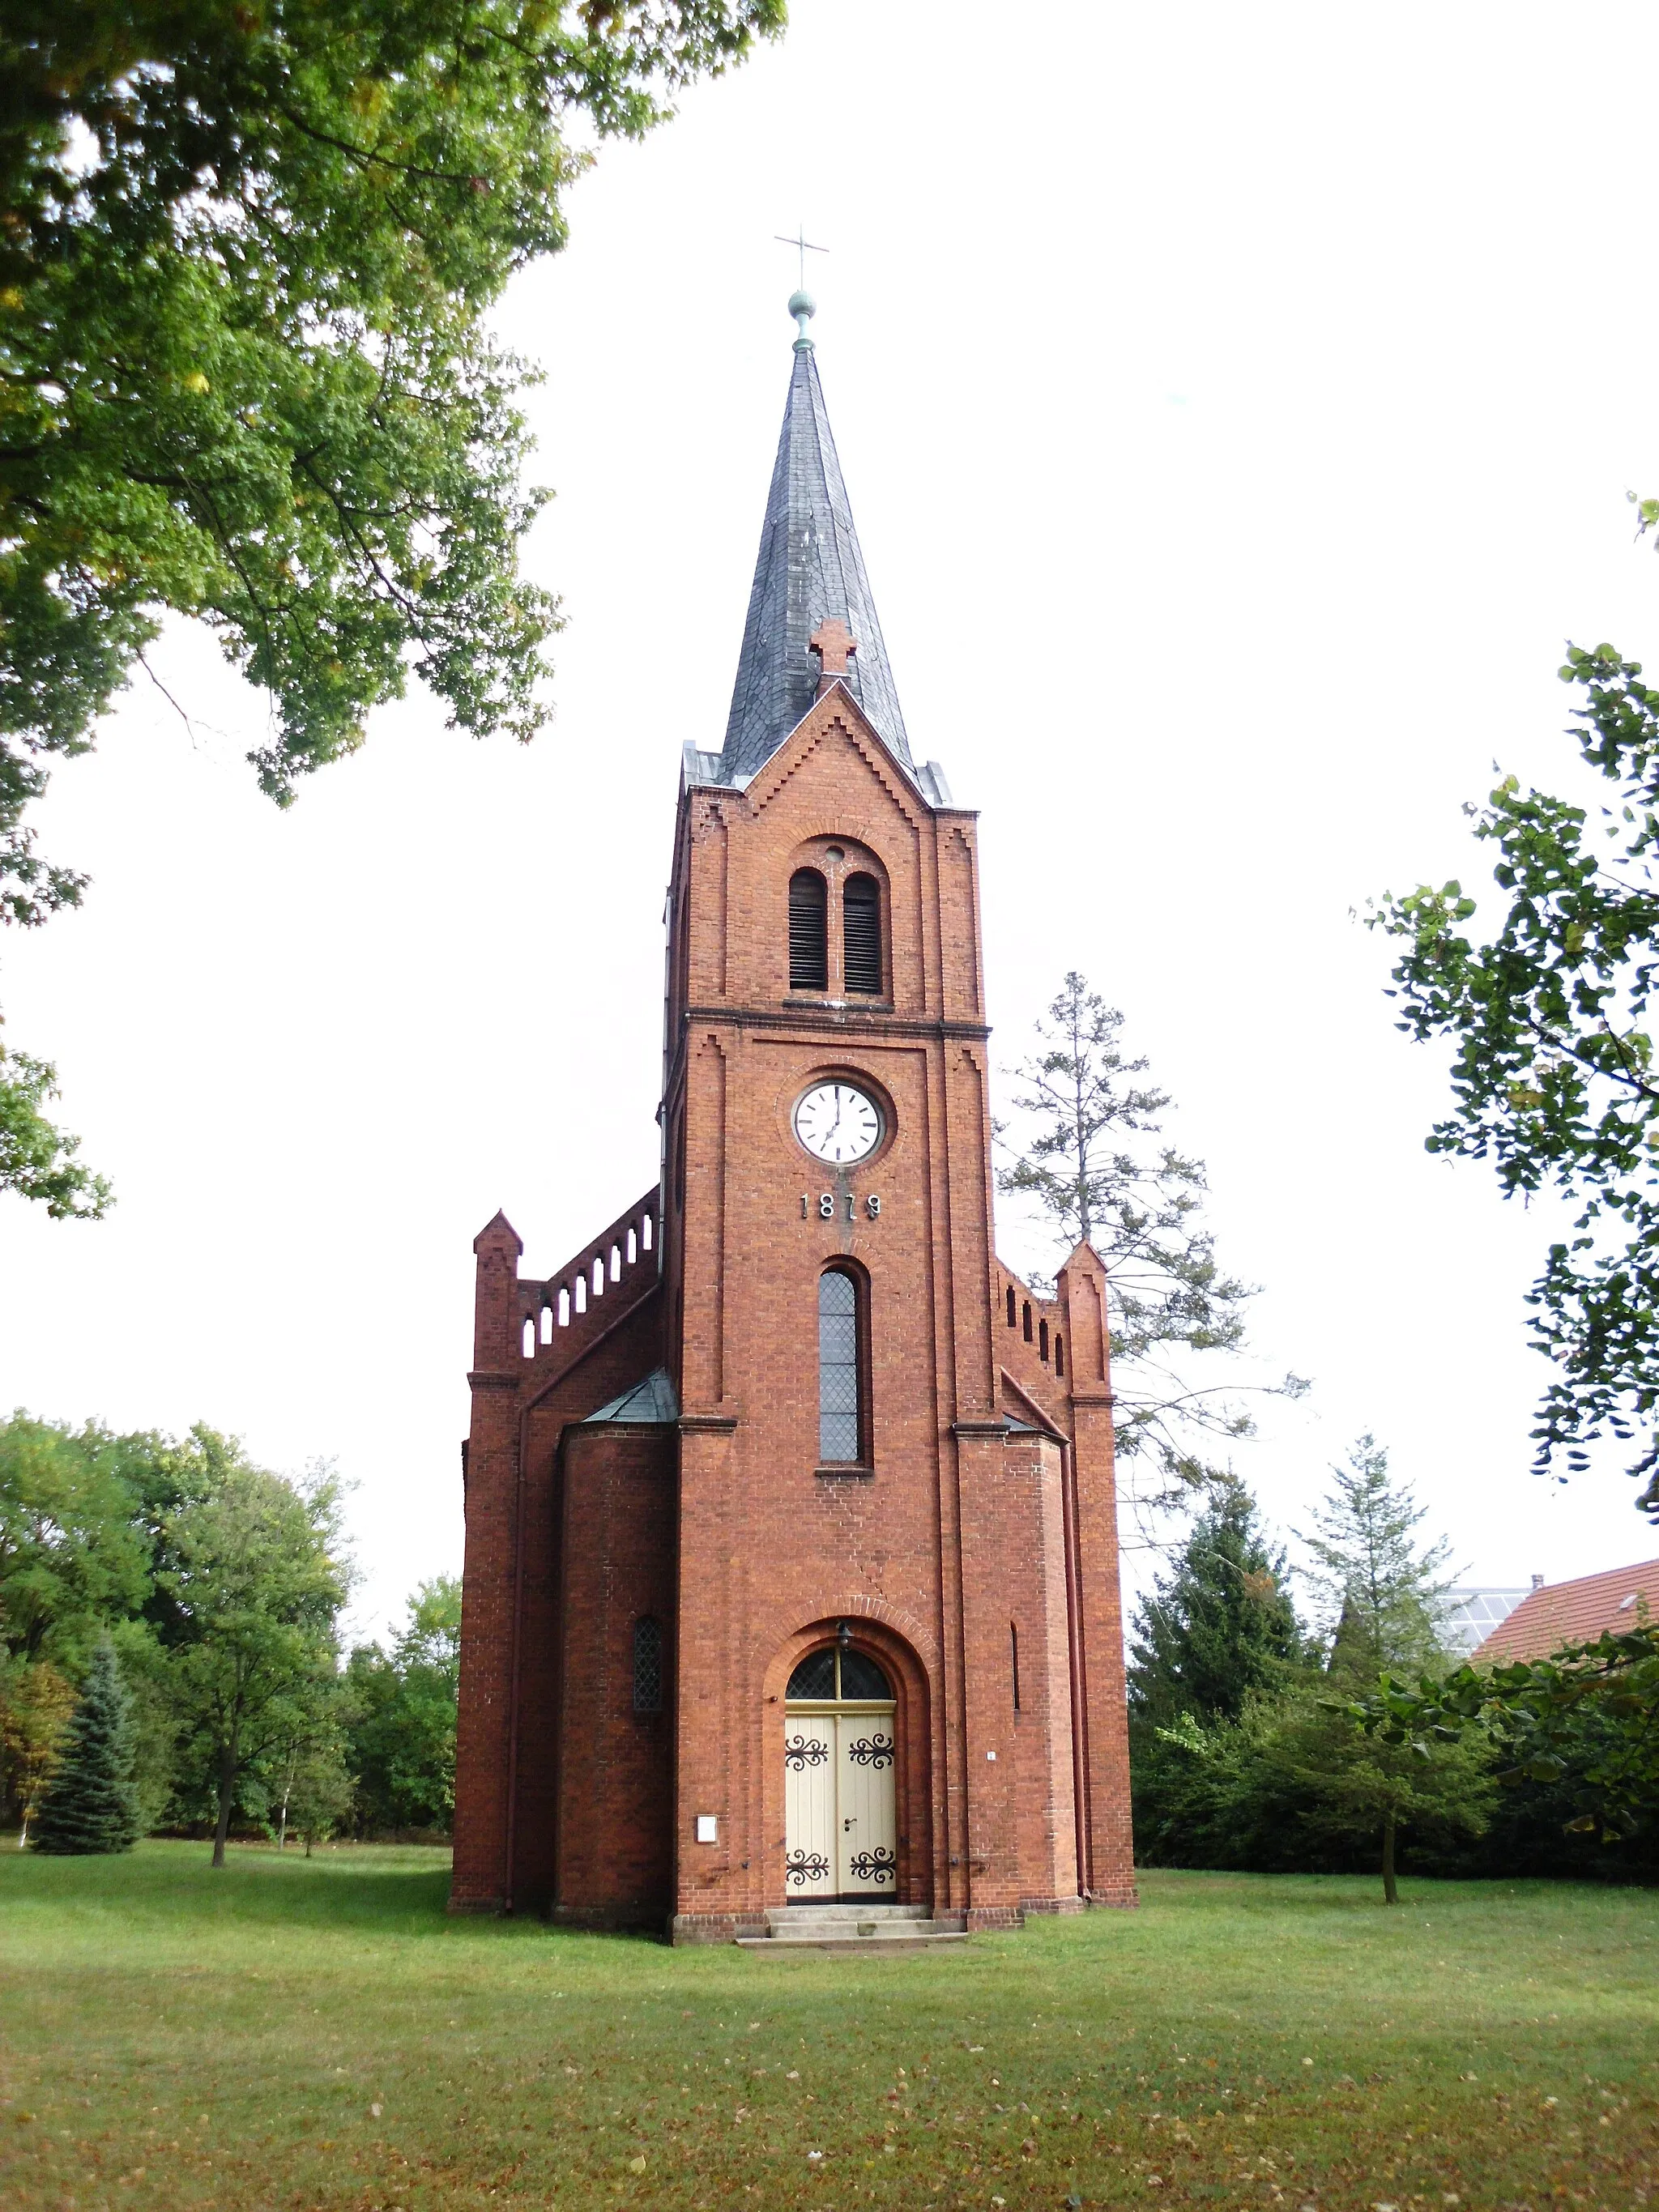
809 575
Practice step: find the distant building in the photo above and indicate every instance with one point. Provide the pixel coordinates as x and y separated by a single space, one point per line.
1554 1613
1469 1615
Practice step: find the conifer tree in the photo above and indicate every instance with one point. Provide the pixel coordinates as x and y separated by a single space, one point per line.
91 1804
1219 1627
1094 1163
1382 1596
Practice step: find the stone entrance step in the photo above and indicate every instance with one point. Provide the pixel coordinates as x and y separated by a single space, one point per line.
883 1928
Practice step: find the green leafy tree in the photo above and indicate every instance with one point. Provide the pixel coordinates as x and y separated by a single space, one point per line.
1219 1629
259 1581
36 1706
70 1559
1382 1596
402 1732
37 1158
1095 1168
1362 1791
1534 1711
1290 1787
247 256
1553 1076
311 1786
90 1804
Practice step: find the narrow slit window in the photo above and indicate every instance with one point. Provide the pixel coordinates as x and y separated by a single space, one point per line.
839 1381
648 1665
1060 1356
1013 1648
1010 1305
860 922
1025 1322
528 1344
809 931
1042 1342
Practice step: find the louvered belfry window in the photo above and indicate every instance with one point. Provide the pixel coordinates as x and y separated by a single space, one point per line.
809 931
860 909
838 1369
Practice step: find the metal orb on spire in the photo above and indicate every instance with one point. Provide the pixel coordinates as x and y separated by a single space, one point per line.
802 306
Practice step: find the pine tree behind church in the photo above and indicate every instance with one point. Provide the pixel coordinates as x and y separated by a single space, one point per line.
91 1804
1097 1166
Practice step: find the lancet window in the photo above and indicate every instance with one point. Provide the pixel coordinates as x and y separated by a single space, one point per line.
841 1378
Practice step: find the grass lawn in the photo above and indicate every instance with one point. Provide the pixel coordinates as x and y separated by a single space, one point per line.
294 2034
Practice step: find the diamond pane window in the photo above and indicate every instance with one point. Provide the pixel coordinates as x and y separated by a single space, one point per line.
647 1666
860 1677
838 1369
833 1674
814 1677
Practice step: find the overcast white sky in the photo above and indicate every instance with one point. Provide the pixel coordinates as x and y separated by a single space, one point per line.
1237 409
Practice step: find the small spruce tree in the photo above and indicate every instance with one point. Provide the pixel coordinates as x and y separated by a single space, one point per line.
1381 1597
91 1804
1220 1628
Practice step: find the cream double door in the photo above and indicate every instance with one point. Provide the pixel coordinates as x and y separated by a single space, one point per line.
839 1803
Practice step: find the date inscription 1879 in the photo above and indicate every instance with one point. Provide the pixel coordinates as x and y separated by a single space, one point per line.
822 1208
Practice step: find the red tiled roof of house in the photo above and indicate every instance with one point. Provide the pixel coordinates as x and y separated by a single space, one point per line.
1572 1612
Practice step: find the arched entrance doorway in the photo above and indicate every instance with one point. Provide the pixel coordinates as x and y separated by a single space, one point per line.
839 1812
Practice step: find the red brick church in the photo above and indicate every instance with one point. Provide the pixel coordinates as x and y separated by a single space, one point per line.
792 1573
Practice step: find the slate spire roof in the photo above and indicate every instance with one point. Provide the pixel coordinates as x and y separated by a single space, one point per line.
809 569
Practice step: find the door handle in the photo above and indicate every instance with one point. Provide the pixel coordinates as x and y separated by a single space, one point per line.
846 1825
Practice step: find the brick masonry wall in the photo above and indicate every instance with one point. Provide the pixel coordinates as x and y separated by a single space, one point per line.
953 1531
507 1747
615 1841
935 1542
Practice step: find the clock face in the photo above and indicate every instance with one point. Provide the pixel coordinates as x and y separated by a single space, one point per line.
837 1122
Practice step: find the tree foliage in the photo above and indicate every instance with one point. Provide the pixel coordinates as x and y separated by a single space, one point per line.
90 1804
402 1707
259 1581
37 1158
1380 1594
1095 1168
220 1588
1533 1711
1219 1629
70 1559
37 1704
1239 1754
244 374
1553 1076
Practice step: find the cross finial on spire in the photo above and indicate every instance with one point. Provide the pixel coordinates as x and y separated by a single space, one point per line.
834 645
802 306
802 245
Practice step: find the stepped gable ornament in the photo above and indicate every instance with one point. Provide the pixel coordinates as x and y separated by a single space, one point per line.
834 645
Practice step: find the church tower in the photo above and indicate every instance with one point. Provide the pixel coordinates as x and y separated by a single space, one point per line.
792 1573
